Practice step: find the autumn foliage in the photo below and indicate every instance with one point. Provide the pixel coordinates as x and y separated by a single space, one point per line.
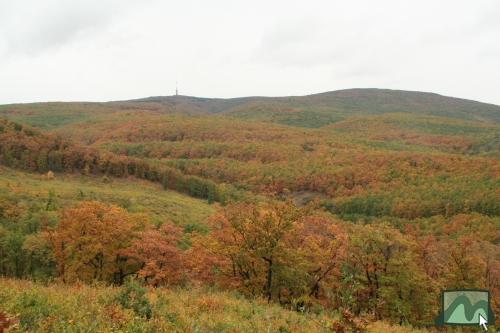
89 241
365 218
27 149
298 257
157 254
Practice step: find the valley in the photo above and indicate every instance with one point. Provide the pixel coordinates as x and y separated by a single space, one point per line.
351 208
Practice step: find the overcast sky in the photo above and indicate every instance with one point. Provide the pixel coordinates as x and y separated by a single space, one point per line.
100 50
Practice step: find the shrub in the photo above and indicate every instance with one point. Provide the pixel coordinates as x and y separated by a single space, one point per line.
133 296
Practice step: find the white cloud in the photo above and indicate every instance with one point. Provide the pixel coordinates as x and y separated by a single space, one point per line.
111 49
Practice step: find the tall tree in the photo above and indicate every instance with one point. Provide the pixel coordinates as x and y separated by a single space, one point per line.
89 241
158 255
255 241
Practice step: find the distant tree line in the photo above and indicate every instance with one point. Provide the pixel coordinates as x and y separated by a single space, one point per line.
27 149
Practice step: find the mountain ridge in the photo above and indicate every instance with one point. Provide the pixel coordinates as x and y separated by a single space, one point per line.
315 110
355 100
329 92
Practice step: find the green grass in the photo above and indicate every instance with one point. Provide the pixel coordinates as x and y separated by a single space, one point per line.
63 308
134 195
35 307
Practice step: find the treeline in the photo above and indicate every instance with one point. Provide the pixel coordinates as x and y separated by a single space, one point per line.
27 149
355 167
449 200
405 187
301 258
317 158
297 257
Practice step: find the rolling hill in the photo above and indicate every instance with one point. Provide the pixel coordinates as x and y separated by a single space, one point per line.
304 111
348 102
382 193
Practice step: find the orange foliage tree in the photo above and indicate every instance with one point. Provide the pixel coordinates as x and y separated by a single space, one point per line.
89 242
323 244
272 249
255 239
157 253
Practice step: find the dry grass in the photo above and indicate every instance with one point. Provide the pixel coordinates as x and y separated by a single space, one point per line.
54 307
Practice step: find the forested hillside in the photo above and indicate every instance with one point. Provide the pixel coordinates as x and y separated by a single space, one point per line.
303 111
345 211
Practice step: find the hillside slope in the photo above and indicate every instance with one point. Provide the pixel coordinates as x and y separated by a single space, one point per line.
52 308
304 111
22 189
362 199
352 101
23 147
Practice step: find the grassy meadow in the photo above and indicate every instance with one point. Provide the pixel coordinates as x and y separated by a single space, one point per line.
65 190
47 308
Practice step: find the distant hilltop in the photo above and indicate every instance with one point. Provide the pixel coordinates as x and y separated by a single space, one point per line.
353 101
315 110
